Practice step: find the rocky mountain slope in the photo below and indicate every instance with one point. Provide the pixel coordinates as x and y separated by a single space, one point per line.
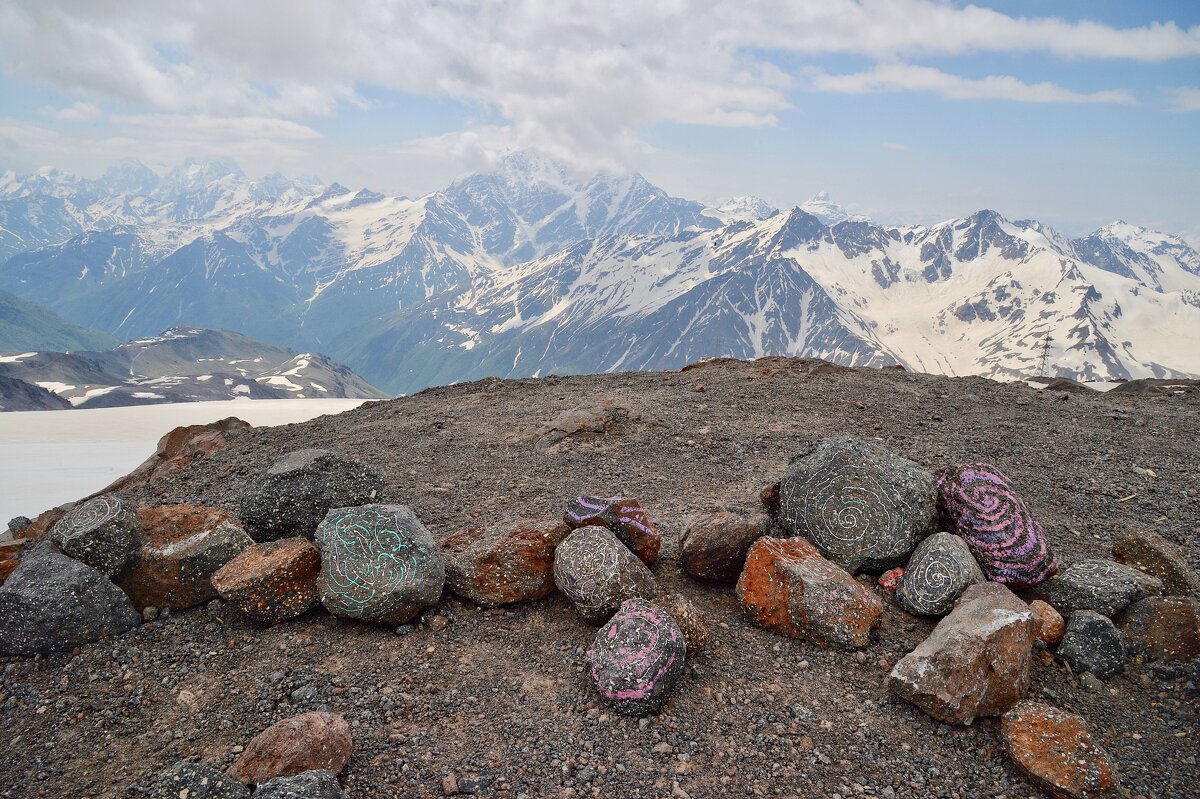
25 326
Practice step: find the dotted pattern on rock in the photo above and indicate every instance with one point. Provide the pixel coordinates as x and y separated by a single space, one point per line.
104 533
294 745
862 505
378 564
939 571
1092 643
1096 584
637 657
272 582
977 502
597 573
1055 750
197 781
625 518
506 562
714 546
315 784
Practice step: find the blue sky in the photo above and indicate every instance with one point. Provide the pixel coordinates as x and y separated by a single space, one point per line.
1075 112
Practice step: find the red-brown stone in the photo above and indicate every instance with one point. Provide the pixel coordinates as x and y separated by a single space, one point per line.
1055 750
41 524
10 556
272 582
1164 628
714 545
1049 625
691 621
890 579
300 743
505 562
625 518
176 450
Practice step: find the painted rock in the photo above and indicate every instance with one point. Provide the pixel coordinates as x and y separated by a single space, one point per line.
1095 584
939 571
295 745
104 533
197 781
1154 555
378 564
975 662
1055 750
597 573
1050 623
691 620
862 505
890 579
625 518
976 502
272 582
789 589
714 546
315 784
637 657
1092 643
292 497
184 546
1164 628
502 563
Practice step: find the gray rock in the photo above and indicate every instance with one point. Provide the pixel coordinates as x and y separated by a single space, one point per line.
19 524
862 505
597 573
378 564
54 602
1092 643
939 570
636 658
316 784
105 533
1096 584
1154 555
197 781
292 497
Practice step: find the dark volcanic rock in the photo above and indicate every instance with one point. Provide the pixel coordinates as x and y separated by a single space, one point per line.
1095 584
315 784
977 502
1092 643
378 564
1056 751
295 745
597 573
939 570
637 657
1154 555
272 582
624 518
510 561
292 497
54 602
1164 628
714 545
18 395
862 505
197 781
104 533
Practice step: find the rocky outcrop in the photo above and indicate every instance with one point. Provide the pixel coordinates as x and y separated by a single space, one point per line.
624 518
505 562
1095 584
1056 751
636 658
1154 555
1092 643
939 570
296 745
272 582
105 533
714 545
177 449
597 573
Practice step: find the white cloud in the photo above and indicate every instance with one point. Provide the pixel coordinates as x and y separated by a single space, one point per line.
1184 98
76 112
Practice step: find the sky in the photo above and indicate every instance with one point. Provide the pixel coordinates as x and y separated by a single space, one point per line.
1075 112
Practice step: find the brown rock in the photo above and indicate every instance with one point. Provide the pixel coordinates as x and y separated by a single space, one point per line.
185 545
769 497
975 662
10 556
42 524
176 450
1151 553
623 517
502 563
1049 625
714 545
297 744
789 589
890 579
1054 749
272 582
691 621
1165 628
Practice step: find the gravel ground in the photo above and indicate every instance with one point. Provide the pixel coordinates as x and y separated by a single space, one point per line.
498 697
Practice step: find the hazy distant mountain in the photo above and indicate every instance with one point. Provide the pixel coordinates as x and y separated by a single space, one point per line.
26 326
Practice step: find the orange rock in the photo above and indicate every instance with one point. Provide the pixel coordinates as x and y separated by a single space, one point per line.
512 561
41 524
176 450
1048 622
272 582
294 745
1055 750
10 553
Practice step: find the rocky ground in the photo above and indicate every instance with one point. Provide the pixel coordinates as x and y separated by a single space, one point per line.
498 699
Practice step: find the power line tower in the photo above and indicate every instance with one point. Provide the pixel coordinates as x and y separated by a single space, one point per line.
1046 354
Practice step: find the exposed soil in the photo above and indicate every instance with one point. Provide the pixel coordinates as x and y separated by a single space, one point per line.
498 697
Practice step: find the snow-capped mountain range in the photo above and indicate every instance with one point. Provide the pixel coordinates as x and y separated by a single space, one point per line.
531 269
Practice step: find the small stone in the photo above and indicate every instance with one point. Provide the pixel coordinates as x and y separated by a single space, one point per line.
1164 628
890 579
691 621
404 629
272 582
1154 555
314 784
714 545
1092 643
1055 750
597 573
624 518
939 570
437 623
1049 623
105 533
295 745
149 613
449 785
505 562
197 781
637 657
1096 584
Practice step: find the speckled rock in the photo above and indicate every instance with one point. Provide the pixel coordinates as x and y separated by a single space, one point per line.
890 579
1050 623
1096 584
975 662
1154 555
378 564
292 497
714 545
637 657
1055 750
1092 643
295 745
624 518
939 570
597 573
105 533
197 781
1163 628
862 505
315 784
272 582
691 620
505 562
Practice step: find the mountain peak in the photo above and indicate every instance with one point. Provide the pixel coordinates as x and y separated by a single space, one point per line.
825 209
745 207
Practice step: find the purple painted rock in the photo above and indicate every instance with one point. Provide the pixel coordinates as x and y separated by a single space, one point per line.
626 518
637 658
977 502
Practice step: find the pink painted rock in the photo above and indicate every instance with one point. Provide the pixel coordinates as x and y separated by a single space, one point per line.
637 658
890 579
1050 625
294 745
1055 750
625 518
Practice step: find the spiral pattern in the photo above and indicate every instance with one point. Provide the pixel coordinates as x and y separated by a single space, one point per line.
637 656
939 571
625 518
87 517
977 502
597 572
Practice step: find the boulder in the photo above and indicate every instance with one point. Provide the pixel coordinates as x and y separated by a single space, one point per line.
19 524
43 524
789 589
597 573
184 546
714 546
272 582
315 784
637 657
1055 750
691 620
104 533
378 564
862 505
1050 624
54 602
498 564
1095 584
197 781
295 745
624 518
1154 555
975 662
1164 628
177 449
939 570
975 501
291 497
1092 643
